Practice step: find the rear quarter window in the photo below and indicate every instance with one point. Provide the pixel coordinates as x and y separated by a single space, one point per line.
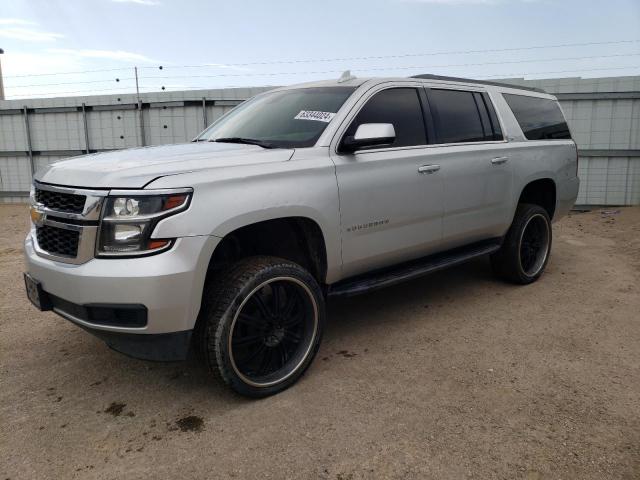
539 118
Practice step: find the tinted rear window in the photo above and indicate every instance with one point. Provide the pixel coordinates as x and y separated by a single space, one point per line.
539 118
458 116
400 107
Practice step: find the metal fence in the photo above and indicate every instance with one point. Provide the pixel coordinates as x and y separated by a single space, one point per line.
34 133
603 113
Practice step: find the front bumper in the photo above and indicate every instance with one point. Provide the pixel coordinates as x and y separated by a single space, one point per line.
169 285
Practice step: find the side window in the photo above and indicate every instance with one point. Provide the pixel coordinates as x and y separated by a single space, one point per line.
400 107
539 118
460 116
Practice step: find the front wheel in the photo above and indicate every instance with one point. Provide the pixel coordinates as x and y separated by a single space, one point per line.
260 325
525 251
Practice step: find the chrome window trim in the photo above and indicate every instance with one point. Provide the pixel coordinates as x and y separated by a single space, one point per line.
433 145
375 89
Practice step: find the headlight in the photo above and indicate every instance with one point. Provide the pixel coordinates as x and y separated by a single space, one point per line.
128 220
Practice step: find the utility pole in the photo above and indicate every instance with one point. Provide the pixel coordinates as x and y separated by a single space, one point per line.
1 82
135 71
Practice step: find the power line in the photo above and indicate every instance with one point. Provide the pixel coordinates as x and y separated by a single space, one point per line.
73 91
342 59
415 67
68 73
125 79
507 75
405 55
479 77
373 69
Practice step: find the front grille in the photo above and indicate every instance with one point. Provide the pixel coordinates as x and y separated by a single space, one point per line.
58 241
62 202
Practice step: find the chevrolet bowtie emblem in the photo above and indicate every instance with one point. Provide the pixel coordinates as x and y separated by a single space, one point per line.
37 215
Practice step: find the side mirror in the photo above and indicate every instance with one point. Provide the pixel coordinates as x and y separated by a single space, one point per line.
369 135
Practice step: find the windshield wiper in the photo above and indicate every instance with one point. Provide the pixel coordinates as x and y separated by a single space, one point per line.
248 141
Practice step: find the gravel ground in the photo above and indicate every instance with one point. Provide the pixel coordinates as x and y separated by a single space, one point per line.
456 375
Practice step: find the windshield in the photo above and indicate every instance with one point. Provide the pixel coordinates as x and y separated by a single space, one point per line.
285 119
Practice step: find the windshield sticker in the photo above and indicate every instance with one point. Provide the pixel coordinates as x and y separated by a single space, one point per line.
315 115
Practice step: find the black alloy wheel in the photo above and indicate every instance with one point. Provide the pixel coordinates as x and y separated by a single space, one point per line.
273 331
534 245
260 324
525 249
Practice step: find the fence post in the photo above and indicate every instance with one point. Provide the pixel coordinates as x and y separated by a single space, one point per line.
86 129
142 139
204 112
25 114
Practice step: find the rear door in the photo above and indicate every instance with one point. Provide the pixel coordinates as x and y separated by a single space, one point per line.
476 168
391 197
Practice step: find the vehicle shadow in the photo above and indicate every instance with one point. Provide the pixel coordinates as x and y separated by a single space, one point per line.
348 316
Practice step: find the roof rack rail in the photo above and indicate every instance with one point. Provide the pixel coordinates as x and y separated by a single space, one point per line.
428 76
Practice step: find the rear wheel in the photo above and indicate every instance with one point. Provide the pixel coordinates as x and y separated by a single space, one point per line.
525 251
261 324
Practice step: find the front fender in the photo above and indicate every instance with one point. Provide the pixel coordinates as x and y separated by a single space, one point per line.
228 199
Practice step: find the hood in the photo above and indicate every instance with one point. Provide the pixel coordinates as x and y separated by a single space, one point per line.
136 167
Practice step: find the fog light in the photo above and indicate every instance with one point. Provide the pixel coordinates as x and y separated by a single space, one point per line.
127 232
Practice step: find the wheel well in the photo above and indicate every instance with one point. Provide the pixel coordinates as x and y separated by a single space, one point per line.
540 192
297 239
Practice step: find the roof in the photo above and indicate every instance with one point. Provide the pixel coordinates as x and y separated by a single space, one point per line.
354 82
428 76
357 81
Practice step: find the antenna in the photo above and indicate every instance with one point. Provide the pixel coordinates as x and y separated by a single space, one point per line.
346 76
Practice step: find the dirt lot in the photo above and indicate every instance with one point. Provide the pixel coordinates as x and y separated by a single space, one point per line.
453 376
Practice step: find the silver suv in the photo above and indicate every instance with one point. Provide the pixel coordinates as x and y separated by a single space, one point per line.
232 243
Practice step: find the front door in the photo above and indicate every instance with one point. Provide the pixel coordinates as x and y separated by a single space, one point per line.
390 198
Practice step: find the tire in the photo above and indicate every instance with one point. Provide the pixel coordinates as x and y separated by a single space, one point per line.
260 325
525 251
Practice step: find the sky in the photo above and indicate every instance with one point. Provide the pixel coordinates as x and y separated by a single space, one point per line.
84 47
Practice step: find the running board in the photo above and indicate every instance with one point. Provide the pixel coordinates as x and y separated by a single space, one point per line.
410 270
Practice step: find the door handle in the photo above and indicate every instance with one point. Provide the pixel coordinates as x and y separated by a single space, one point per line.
499 160
428 169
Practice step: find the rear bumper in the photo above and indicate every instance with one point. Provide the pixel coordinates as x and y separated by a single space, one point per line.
566 195
100 293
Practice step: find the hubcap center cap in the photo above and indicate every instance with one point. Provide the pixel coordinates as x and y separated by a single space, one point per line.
274 336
